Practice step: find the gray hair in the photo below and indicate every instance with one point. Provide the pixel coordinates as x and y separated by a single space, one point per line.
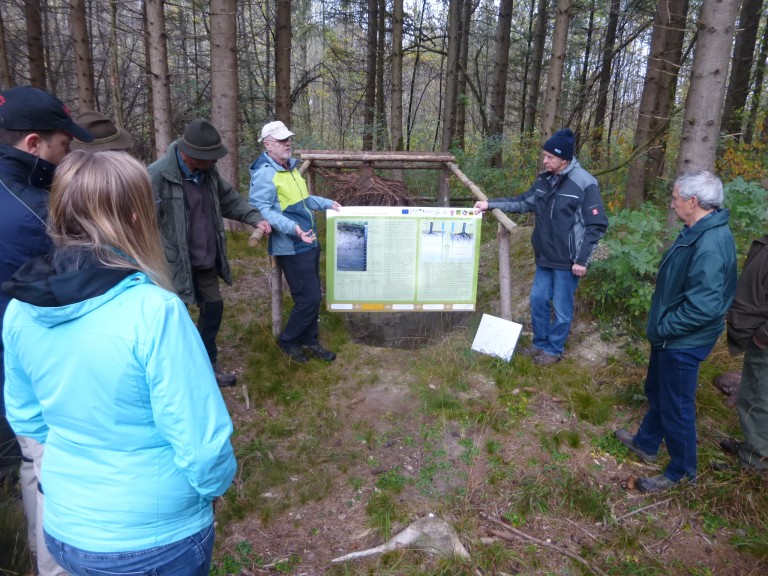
703 184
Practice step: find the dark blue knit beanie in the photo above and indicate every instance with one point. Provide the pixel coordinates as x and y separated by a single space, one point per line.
560 144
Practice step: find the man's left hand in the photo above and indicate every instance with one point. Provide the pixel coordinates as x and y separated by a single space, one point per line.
336 206
579 270
264 227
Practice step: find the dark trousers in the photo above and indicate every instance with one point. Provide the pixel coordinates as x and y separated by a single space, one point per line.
670 387
302 272
208 298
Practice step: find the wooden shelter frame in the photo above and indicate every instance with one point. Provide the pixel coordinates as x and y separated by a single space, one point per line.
444 161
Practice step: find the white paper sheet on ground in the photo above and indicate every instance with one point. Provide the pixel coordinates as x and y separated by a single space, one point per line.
496 337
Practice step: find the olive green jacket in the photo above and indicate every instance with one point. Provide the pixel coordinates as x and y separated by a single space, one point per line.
173 219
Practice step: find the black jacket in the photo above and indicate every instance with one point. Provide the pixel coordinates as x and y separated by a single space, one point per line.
24 183
570 219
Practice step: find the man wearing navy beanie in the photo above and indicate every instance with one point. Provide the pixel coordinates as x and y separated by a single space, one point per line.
570 220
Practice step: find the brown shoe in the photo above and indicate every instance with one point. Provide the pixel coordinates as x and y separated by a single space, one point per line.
544 359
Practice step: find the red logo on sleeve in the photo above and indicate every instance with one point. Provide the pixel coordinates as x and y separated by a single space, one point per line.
595 211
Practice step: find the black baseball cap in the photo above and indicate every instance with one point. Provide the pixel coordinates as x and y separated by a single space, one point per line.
28 108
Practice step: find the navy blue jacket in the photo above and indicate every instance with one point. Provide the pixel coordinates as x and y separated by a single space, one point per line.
570 218
24 183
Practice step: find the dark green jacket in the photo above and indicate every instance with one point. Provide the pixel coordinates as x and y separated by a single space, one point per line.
695 285
174 219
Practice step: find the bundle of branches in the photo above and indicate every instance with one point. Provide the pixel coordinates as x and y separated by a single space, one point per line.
365 188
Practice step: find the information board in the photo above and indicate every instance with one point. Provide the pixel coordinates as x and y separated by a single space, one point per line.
398 259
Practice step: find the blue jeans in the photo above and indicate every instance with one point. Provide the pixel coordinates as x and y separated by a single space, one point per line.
302 272
190 556
553 291
670 387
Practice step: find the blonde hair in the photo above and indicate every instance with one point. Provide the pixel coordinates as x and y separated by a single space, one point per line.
103 202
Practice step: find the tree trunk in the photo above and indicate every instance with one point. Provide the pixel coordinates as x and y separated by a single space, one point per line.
381 115
661 73
449 102
499 91
698 141
741 68
701 126
581 104
83 61
468 9
114 49
537 61
369 109
283 61
35 46
396 94
527 63
152 144
749 130
6 79
160 77
555 74
605 80
410 118
224 84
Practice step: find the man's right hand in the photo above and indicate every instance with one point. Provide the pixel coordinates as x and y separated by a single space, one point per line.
481 206
308 237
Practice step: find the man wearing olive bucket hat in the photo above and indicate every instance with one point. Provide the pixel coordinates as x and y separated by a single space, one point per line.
193 200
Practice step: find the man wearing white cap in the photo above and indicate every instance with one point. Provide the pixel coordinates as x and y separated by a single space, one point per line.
280 193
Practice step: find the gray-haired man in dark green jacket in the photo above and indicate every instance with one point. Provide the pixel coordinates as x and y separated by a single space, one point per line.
695 285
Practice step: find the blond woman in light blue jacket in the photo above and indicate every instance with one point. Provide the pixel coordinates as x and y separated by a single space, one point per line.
106 369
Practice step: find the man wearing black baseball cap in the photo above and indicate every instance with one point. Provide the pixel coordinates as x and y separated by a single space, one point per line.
193 200
35 132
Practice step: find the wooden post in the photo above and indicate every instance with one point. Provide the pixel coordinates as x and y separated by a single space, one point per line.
444 189
276 278
505 273
311 182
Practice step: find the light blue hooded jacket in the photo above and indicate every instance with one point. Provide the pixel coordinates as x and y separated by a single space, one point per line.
281 196
120 390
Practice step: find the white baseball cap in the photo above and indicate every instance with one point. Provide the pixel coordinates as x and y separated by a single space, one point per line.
276 130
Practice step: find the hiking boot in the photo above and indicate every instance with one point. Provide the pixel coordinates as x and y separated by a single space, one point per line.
530 351
628 440
318 351
294 352
223 379
651 484
544 359
730 446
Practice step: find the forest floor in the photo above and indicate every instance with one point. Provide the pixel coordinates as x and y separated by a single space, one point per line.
520 460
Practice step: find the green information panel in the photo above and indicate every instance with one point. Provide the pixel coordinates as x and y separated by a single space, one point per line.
397 259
